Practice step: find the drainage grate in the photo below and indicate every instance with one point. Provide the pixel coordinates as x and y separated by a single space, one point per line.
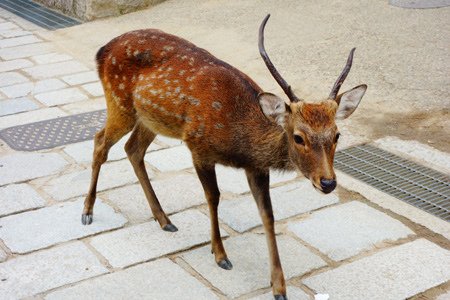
38 14
55 132
422 187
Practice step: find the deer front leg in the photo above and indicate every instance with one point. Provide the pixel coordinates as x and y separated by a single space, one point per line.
207 176
259 185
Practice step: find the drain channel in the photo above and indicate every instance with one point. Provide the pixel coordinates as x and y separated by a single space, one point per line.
417 185
55 132
38 14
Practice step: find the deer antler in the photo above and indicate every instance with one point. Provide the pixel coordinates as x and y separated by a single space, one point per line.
284 85
341 78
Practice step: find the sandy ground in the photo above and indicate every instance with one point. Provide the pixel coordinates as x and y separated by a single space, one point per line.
402 54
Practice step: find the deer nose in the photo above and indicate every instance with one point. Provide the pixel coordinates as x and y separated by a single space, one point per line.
327 185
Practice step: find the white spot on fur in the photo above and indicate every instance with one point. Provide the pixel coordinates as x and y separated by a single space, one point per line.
121 86
113 60
168 48
217 105
141 77
136 53
181 72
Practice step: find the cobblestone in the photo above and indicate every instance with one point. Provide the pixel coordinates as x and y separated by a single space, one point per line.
11 65
55 69
80 78
17 105
18 197
51 58
17 41
172 159
8 78
293 292
95 89
31 116
63 96
25 51
23 89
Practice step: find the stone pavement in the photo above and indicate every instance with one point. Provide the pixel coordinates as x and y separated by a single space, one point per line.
356 243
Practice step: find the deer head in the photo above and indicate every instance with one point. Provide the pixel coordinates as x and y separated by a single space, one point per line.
310 127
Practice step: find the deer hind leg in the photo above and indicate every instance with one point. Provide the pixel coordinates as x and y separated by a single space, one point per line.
207 176
140 139
259 185
117 125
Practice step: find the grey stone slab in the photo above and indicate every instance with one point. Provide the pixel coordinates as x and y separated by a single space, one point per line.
396 273
158 280
11 65
85 106
51 58
289 200
75 184
7 26
175 193
8 78
62 96
23 89
445 296
17 105
3 255
14 33
25 50
24 166
249 256
55 69
147 241
292 292
51 225
31 116
80 78
235 181
172 159
17 41
94 88
38 272
348 229
18 197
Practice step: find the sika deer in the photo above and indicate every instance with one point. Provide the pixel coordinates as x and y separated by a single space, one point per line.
157 83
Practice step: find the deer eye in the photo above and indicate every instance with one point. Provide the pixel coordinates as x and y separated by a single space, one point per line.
337 137
298 140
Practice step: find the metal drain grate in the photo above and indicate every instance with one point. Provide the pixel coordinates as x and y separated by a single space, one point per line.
38 14
422 187
55 132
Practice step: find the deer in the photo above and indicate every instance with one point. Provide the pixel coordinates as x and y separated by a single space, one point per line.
156 83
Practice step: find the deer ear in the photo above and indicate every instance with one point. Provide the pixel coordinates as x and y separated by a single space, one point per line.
349 101
273 107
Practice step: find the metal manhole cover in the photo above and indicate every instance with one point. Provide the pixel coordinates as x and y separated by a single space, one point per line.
55 132
38 14
422 187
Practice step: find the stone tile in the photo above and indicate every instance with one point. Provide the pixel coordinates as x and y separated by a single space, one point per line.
251 272
55 224
395 273
55 69
17 105
25 50
445 296
172 159
94 88
51 58
24 89
63 96
289 200
147 241
30 117
75 184
3 255
348 229
8 78
175 193
293 292
18 197
10 65
14 33
17 41
47 269
80 78
144 281
235 181
85 106
24 166
7 26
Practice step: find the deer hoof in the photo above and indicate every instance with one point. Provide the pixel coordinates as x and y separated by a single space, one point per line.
86 219
170 228
225 264
280 297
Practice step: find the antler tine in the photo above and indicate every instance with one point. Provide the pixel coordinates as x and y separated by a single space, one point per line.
341 78
284 85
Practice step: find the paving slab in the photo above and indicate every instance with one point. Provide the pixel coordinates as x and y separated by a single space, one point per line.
292 292
17 105
55 69
14 33
18 197
35 273
80 78
146 241
7 26
23 89
31 116
25 51
396 273
85 106
94 88
3 255
37 229
75 184
24 166
51 58
17 41
348 229
445 296
175 193
16 64
251 272
158 280
172 159
235 181
8 78
289 200
62 96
